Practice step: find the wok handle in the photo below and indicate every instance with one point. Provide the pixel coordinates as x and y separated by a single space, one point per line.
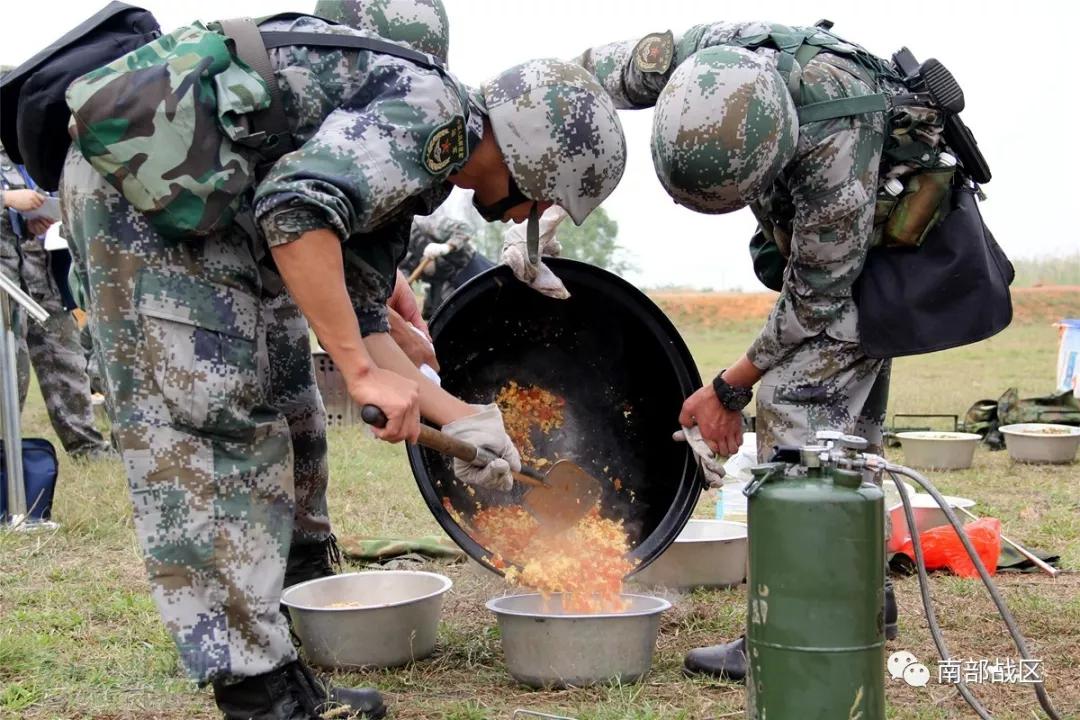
432 438
442 443
415 275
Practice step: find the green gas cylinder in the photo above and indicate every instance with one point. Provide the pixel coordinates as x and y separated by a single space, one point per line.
815 629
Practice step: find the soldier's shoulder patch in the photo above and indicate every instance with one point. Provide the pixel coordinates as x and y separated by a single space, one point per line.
654 52
446 145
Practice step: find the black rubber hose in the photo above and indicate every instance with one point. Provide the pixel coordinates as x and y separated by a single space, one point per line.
995 595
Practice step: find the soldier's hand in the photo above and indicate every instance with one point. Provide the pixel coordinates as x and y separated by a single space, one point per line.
485 429
721 429
515 254
23 200
403 302
434 251
396 396
38 226
414 344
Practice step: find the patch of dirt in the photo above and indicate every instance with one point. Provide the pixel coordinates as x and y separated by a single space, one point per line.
1043 304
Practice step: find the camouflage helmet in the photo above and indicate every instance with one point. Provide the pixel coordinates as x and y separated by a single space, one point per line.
723 129
420 24
559 133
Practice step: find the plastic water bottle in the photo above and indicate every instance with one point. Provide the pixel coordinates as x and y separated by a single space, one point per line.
733 502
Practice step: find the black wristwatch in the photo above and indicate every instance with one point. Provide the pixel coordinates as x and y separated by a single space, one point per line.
731 397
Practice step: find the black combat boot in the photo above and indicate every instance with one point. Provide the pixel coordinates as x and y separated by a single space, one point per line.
891 611
291 692
309 561
726 661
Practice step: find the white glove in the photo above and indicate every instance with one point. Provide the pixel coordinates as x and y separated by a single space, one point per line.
708 460
485 429
515 253
436 250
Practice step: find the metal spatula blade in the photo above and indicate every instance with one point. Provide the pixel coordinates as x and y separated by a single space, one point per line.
566 495
557 499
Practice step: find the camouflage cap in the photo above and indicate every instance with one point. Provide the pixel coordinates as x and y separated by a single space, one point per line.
723 129
420 24
559 132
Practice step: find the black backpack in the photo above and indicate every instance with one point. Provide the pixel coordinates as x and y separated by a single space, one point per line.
33 112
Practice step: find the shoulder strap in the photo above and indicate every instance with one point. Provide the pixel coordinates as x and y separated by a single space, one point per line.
250 48
843 107
282 38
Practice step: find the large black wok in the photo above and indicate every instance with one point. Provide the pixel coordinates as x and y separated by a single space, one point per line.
622 369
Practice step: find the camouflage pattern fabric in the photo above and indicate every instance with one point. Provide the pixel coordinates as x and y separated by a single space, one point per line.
820 212
532 104
441 273
823 385
52 349
294 392
223 444
185 91
420 24
380 549
183 344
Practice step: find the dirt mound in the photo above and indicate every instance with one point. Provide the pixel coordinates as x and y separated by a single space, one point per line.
714 309
1045 304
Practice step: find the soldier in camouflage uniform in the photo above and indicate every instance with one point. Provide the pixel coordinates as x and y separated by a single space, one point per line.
52 348
444 245
184 335
727 134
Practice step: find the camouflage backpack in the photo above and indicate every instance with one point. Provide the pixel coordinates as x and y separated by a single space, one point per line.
986 416
182 126
918 123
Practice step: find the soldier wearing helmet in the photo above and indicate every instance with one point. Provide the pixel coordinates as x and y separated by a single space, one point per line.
727 135
183 329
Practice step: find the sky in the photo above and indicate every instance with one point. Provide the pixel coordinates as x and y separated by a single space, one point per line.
1012 59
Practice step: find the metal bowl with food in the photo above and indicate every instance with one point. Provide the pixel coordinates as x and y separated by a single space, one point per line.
546 647
937 450
707 553
381 618
1041 442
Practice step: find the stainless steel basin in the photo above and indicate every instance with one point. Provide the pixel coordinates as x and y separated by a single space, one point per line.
707 553
380 618
546 648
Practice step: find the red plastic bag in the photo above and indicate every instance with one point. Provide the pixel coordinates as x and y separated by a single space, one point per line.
942 548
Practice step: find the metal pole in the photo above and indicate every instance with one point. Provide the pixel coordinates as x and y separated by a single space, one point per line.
9 397
9 412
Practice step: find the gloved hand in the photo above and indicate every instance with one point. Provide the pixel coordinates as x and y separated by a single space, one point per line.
485 429
436 250
708 460
515 253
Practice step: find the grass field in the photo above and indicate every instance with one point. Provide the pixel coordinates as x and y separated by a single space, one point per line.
79 637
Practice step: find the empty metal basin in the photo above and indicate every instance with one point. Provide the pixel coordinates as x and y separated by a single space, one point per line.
707 553
547 648
383 618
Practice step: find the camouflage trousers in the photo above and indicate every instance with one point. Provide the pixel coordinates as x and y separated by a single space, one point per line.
183 338
54 351
825 384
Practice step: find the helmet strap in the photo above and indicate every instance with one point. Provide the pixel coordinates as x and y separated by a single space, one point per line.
532 235
495 211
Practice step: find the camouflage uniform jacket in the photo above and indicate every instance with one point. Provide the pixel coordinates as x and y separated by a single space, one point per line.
820 210
439 228
10 179
376 137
